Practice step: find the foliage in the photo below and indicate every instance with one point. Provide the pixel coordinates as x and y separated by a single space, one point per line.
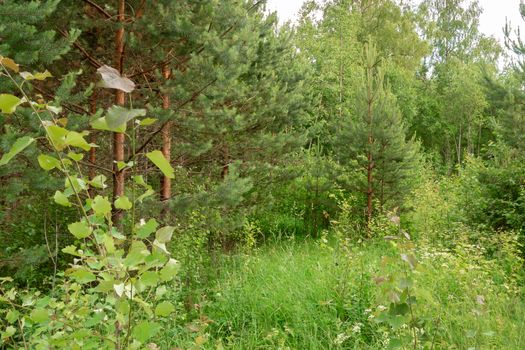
113 274
353 182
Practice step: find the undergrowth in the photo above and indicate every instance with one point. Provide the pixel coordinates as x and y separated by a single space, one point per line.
316 295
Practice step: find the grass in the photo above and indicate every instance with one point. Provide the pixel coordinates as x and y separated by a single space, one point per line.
306 295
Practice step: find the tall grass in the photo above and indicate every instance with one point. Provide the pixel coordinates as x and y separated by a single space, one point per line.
307 295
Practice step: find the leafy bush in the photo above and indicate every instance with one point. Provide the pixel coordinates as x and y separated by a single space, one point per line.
112 296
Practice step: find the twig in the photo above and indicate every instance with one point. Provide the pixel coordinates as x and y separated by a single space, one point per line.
94 62
96 166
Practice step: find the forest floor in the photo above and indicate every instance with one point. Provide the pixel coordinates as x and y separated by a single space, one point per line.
316 295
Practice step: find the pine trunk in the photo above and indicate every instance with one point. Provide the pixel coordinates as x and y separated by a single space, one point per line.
370 165
165 192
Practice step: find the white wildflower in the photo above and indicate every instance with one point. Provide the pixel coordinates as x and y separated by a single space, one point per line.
357 328
341 338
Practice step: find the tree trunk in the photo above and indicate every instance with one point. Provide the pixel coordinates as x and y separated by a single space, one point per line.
370 167
119 138
459 142
225 163
165 192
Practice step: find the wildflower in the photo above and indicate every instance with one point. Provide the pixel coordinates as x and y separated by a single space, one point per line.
357 328
341 338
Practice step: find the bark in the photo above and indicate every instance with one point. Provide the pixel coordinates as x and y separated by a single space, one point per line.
226 163
370 165
460 137
119 138
165 192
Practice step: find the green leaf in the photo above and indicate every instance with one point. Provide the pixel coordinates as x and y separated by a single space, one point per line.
170 270
76 139
145 330
164 309
47 162
101 205
8 103
101 124
79 184
139 180
57 135
82 275
71 250
399 309
160 246
148 228
118 116
109 243
145 194
61 199
17 147
121 165
94 320
79 229
149 278
147 121
39 315
137 254
158 159
99 181
36 76
9 331
123 203
164 234
12 316
75 156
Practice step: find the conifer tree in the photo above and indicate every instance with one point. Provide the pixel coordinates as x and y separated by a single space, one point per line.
374 136
216 77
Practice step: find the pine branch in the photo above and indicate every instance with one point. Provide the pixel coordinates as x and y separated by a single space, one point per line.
99 8
94 62
197 51
180 106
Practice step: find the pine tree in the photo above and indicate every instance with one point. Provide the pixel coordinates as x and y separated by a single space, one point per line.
217 77
374 136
